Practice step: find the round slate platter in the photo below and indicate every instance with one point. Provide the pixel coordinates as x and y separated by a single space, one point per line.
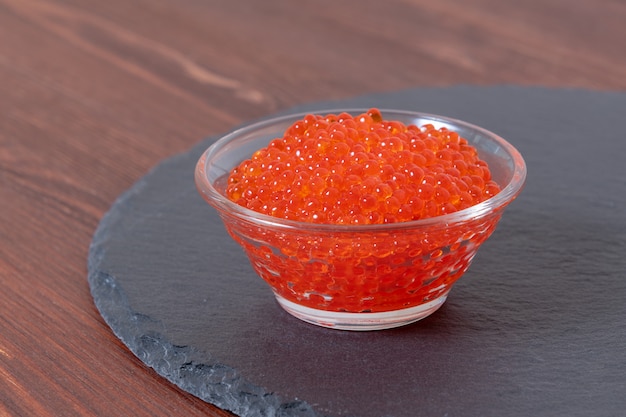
537 326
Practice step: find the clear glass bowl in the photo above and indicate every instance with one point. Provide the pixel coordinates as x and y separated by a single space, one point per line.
360 277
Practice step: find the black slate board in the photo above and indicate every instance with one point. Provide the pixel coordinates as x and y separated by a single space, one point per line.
536 327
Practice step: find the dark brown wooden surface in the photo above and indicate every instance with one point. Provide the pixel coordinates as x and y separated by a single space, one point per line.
94 93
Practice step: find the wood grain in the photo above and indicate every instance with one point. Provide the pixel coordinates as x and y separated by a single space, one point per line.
94 93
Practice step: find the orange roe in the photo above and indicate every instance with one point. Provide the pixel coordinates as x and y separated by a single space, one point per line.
340 169
344 169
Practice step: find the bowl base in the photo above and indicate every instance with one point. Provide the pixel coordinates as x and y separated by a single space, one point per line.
361 321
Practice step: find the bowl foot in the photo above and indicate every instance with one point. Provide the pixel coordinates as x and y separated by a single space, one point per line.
362 321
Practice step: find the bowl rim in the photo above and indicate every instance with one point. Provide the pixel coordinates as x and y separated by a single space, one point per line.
227 207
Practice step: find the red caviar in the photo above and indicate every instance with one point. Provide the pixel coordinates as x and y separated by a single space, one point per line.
340 169
360 170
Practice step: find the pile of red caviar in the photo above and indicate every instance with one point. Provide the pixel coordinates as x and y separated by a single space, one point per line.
344 169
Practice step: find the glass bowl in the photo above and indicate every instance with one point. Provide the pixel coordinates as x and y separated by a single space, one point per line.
360 277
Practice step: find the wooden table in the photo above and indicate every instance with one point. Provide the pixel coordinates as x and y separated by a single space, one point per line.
94 93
